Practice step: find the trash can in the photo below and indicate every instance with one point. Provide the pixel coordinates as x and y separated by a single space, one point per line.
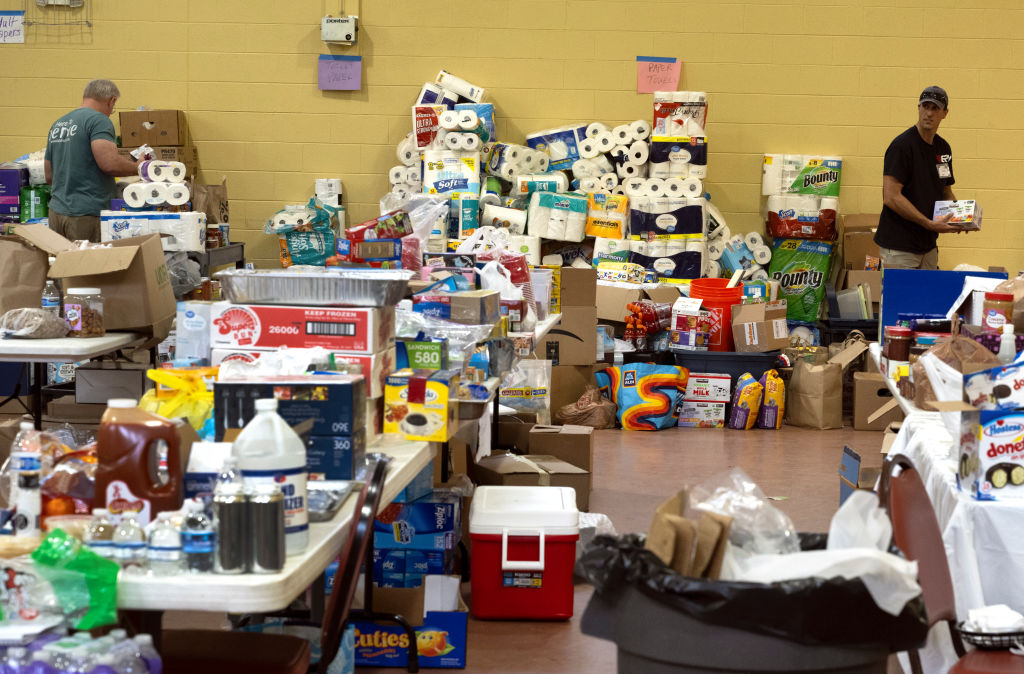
524 549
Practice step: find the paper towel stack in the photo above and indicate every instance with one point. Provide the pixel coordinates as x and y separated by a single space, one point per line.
179 231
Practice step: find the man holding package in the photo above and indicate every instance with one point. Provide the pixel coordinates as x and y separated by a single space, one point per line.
918 171
82 162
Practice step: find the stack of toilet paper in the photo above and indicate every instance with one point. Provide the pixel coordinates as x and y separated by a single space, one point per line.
561 217
162 183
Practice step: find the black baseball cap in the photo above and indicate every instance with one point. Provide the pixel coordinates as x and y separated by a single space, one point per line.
936 95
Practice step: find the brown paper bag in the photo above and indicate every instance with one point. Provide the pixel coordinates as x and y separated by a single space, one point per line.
1015 286
815 396
23 269
709 530
714 569
212 200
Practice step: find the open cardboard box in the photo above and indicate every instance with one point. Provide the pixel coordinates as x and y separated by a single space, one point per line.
131 275
853 475
533 470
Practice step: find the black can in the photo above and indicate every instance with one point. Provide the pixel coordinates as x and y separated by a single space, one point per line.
266 519
231 518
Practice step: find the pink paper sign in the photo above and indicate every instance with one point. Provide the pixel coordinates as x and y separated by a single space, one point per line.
657 73
339 73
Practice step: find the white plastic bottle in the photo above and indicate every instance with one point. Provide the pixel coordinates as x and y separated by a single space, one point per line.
270 452
1007 345
51 298
99 535
163 553
25 455
130 545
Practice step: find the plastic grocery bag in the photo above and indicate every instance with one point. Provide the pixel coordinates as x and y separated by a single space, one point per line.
647 396
82 580
527 388
180 393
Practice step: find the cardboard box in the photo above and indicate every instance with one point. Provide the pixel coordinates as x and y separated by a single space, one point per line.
690 329
852 475
355 329
514 434
700 414
663 294
438 615
69 409
468 307
335 457
578 287
533 470
131 275
420 485
573 341
869 394
335 403
858 239
98 381
419 523
760 327
889 437
153 127
568 383
711 387
612 301
422 404
573 444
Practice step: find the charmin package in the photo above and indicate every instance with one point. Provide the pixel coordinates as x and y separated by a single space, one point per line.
647 395
421 404
801 268
992 454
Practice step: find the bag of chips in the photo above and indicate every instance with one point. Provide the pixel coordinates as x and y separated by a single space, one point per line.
746 402
646 395
801 268
773 404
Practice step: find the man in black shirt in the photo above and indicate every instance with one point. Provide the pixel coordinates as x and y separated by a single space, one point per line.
918 171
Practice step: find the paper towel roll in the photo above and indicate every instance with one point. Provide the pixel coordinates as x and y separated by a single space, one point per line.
711 268
776 203
722 234
762 254
675 246
619 189
528 159
675 187
596 129
543 161
715 249
453 141
552 260
639 246
640 129
605 141
397 174
412 174
657 248
622 135
468 120
640 202
808 205
693 187
469 142
529 245
634 187
587 148
449 119
630 170
759 275
655 187
489 199
429 94
582 168
177 194
135 195
507 172
164 171
771 175
697 246
460 86
619 154
602 164
156 193
753 240
607 247
830 203
511 219
609 180
589 184
639 152
407 152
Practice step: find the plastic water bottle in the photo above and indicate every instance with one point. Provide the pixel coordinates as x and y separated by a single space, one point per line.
149 654
270 452
197 538
105 663
127 656
164 551
41 664
99 535
26 454
130 545
79 661
17 660
51 297
1007 345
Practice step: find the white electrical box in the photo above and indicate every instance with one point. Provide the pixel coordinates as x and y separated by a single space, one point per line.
340 29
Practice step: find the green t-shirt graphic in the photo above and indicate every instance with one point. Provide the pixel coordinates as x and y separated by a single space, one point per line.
79 186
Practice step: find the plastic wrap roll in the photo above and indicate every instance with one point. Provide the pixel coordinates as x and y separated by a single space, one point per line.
596 129
762 254
753 240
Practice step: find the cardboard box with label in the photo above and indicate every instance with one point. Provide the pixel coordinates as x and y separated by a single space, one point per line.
356 329
703 405
573 340
533 470
421 404
97 382
573 444
335 457
760 327
153 127
131 275
870 394
859 239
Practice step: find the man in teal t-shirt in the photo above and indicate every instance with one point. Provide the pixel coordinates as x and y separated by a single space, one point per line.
82 162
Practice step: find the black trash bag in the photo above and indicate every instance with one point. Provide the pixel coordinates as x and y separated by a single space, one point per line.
813 611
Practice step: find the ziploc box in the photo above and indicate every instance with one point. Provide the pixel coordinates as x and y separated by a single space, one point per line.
421 404
335 403
358 329
433 522
388 562
335 457
991 462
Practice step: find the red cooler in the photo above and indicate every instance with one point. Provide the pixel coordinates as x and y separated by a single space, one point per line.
524 549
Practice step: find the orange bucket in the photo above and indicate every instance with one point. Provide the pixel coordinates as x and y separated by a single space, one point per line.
718 299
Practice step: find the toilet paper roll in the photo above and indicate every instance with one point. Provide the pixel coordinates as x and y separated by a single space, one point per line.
623 135
619 189
659 169
655 187
589 184
693 187
639 152
640 246
469 142
511 219
640 202
640 129
634 187
762 254
507 172
412 174
712 269
407 152
528 159
543 162
675 187
135 195
657 248
468 119
771 175
630 170
759 275
596 129
675 246
453 141
722 234
583 168
619 154
736 240
660 205
715 249
753 240
529 245
177 194
588 148
609 181
808 205
605 141
776 203
397 174
489 199
830 203
602 164
449 119
163 171
156 193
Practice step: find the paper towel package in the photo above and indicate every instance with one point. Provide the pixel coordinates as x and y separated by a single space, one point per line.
561 144
446 171
426 124
607 215
801 174
562 217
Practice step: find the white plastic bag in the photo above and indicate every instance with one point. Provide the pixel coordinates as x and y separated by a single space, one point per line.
860 523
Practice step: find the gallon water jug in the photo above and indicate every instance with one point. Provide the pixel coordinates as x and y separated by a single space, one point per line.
128 476
270 452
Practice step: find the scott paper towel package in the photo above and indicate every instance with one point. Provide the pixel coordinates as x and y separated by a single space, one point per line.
562 217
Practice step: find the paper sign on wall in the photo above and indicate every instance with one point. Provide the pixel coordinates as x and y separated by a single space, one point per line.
657 73
339 73
12 27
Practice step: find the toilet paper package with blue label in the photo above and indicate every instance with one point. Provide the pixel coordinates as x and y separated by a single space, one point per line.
562 217
561 144
447 171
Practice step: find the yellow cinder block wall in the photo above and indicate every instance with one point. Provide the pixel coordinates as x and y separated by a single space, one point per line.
840 79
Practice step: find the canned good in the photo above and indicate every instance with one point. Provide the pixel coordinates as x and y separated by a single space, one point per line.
266 523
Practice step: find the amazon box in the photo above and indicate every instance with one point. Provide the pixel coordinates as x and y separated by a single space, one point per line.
578 287
573 340
760 327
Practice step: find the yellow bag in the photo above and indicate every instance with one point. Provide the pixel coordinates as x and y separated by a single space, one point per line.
181 393
745 402
773 404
